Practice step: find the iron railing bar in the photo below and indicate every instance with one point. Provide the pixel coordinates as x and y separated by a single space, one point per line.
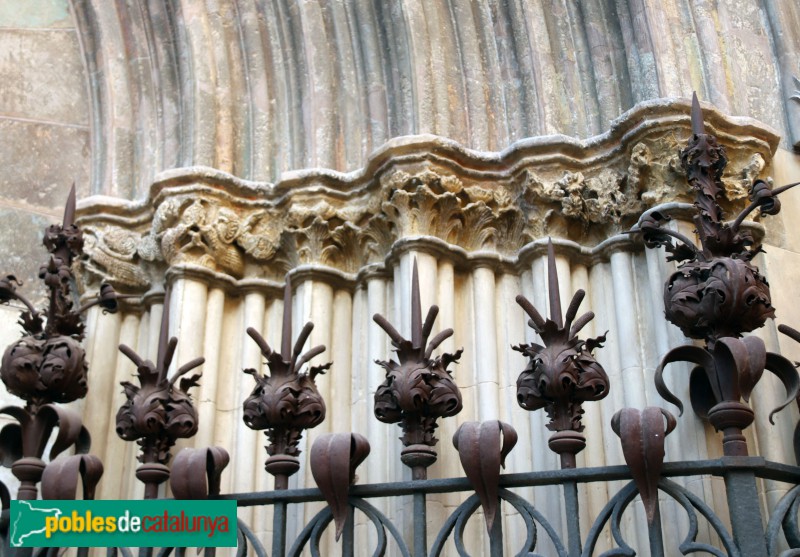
716 467
572 512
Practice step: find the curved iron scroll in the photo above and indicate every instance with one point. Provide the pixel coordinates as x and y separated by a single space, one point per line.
784 518
314 529
458 521
244 535
612 514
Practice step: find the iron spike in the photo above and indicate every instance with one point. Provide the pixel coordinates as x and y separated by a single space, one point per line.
698 127
552 285
69 208
416 309
163 335
286 339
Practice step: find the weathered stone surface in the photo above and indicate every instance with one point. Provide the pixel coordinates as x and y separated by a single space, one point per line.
321 84
41 161
43 76
21 250
34 14
425 188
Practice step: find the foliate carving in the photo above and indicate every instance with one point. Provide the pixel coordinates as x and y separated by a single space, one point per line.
158 411
737 186
114 252
717 294
320 242
418 389
562 374
604 198
286 401
203 233
472 217
260 234
654 171
471 201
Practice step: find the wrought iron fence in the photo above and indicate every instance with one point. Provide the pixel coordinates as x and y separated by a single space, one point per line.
715 296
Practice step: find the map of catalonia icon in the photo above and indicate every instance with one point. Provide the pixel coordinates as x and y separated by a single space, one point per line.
31 523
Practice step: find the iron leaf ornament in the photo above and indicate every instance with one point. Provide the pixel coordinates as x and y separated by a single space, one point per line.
562 374
48 364
717 294
158 411
716 291
642 434
285 402
334 459
418 388
482 448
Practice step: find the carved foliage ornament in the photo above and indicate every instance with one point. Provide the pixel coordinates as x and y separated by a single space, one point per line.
562 374
48 364
286 401
717 291
472 204
158 411
418 389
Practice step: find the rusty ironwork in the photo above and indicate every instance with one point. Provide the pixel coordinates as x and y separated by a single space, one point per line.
642 434
418 389
48 364
334 459
794 334
723 376
61 477
716 291
562 374
482 448
196 473
717 295
158 411
286 402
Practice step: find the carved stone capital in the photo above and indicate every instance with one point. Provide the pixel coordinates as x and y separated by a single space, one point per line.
416 187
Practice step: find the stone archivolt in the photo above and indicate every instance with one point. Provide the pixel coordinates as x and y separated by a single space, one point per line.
418 187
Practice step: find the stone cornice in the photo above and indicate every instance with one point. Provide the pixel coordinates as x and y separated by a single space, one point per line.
424 191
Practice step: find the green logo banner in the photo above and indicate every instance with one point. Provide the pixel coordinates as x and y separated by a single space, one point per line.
122 523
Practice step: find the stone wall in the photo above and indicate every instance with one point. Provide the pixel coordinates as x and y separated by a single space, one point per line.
259 88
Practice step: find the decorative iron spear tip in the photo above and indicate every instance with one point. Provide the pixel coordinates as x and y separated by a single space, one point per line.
69 208
552 286
286 339
163 335
698 127
416 309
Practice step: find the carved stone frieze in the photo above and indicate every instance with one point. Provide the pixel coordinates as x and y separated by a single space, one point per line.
583 191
